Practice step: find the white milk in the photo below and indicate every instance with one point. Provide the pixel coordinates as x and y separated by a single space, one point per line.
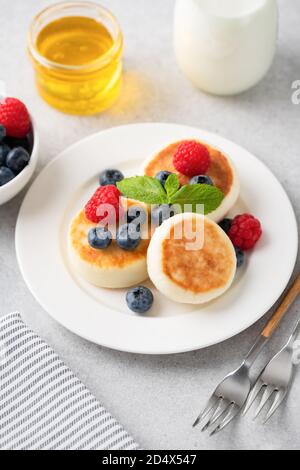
225 46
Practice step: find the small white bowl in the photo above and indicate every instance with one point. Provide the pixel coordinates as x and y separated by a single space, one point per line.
13 187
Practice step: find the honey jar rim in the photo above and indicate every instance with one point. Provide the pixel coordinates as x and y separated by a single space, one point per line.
101 62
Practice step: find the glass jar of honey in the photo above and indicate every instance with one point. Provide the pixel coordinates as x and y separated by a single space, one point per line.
76 49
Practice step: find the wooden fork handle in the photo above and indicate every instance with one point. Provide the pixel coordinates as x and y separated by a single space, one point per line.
283 308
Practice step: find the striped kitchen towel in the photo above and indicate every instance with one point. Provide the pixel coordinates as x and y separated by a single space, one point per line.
43 405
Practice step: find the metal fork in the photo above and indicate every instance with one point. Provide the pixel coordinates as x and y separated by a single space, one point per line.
275 380
231 394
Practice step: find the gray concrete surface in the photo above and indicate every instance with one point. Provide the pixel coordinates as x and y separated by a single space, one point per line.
156 398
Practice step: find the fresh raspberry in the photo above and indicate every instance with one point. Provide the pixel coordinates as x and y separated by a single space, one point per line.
14 117
104 195
191 158
245 231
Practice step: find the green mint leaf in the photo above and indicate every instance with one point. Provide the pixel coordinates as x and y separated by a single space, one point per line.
210 196
172 185
149 190
143 188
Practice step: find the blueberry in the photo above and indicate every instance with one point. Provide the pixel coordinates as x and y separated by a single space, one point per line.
240 257
201 179
225 224
5 175
99 237
139 299
136 215
2 132
17 159
162 176
25 142
161 213
110 176
128 236
4 151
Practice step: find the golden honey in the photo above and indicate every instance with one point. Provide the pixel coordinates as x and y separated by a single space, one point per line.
76 50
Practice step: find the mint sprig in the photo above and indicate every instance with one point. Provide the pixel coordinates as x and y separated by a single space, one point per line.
172 185
149 190
143 188
195 194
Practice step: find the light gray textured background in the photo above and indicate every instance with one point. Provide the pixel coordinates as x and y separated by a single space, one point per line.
156 398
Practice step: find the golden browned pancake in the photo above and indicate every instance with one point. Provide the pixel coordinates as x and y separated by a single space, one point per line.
191 259
111 267
221 171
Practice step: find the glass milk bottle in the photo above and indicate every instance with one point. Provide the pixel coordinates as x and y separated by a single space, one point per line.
225 46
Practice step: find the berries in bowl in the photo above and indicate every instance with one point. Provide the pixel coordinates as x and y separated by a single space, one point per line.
18 148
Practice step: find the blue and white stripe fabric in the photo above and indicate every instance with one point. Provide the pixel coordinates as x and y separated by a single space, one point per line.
43 405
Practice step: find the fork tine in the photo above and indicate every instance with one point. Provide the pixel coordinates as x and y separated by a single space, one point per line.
266 395
223 407
279 397
211 404
230 415
252 395
210 415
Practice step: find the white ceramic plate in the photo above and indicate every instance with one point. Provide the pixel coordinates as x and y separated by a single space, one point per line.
101 315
